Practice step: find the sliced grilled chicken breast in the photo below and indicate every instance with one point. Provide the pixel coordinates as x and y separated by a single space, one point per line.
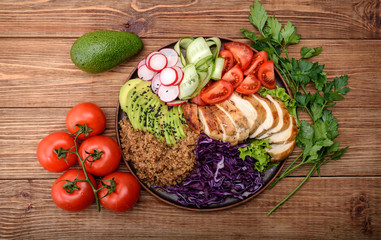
283 116
227 126
261 111
236 116
191 116
211 124
247 109
287 135
271 116
279 152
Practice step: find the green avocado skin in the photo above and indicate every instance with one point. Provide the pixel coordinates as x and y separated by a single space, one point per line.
100 51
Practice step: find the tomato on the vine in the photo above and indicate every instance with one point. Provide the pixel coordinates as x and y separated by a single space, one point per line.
125 195
51 152
249 85
217 92
70 193
102 155
87 114
242 53
258 59
266 75
229 60
234 76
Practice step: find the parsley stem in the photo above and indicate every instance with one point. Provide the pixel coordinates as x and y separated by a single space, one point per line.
283 174
312 171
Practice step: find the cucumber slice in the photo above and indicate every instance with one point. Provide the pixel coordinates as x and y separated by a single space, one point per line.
217 68
183 43
189 83
197 50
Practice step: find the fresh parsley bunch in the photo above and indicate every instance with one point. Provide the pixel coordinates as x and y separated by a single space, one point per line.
316 139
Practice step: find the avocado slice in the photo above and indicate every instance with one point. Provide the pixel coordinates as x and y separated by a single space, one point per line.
139 101
124 90
146 108
132 97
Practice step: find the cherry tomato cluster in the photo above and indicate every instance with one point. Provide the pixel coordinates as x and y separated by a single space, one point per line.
98 155
243 71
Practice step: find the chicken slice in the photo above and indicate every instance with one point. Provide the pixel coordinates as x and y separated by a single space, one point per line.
238 119
248 111
283 116
279 152
191 116
211 125
271 116
227 126
287 135
261 111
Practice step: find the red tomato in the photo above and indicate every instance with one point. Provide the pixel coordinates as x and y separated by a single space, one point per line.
197 100
89 114
234 76
249 85
266 75
108 160
52 143
126 194
81 196
229 60
242 53
258 59
217 92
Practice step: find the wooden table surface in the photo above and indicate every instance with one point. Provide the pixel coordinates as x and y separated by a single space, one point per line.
39 84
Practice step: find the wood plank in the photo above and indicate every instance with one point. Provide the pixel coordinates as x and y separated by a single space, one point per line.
21 130
314 19
348 207
38 72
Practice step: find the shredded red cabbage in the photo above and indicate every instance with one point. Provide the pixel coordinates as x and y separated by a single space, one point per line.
220 174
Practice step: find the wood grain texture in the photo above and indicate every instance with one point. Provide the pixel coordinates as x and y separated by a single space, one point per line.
346 214
315 19
41 72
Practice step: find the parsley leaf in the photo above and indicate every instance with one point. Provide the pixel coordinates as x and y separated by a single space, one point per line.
306 52
289 34
258 16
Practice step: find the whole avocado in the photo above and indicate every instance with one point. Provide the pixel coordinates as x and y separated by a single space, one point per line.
99 51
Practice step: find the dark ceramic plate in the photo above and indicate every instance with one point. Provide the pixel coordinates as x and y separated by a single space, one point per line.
171 199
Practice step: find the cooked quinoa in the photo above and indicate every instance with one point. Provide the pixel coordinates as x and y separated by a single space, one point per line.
155 162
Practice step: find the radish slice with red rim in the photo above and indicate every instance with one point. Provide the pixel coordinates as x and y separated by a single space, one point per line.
142 62
180 75
157 62
168 76
171 55
145 74
168 93
155 84
176 102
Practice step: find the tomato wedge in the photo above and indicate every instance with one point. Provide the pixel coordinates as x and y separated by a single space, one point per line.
234 76
266 75
197 100
250 85
229 60
217 92
258 59
242 53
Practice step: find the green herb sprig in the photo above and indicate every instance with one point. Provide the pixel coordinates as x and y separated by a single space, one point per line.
316 139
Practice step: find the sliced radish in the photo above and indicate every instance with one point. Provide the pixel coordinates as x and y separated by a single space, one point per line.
180 75
145 74
155 84
176 102
168 76
171 55
179 64
168 93
142 62
149 56
157 62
